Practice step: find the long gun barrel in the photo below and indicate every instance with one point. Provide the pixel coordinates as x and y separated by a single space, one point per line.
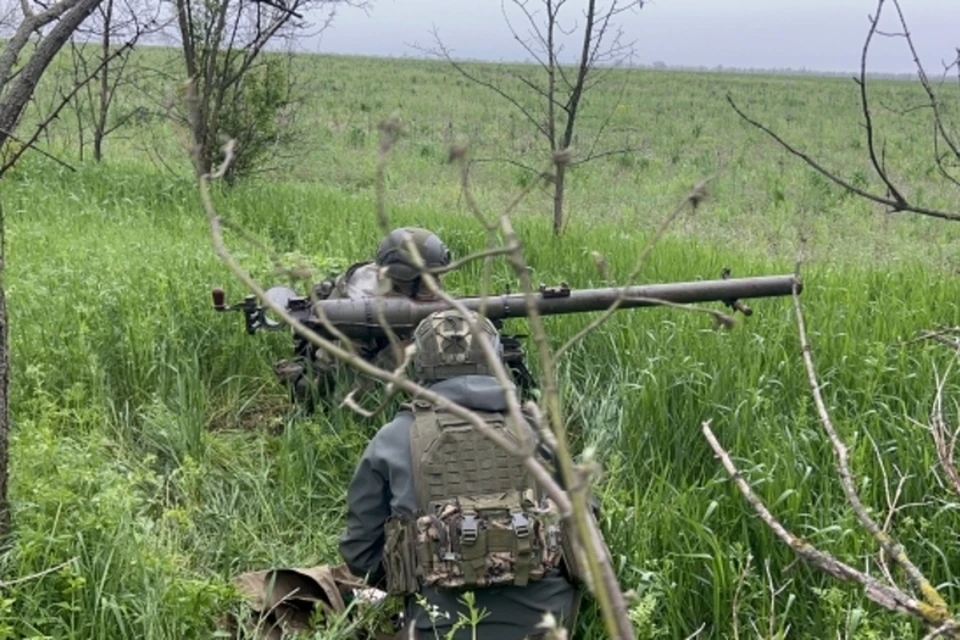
360 319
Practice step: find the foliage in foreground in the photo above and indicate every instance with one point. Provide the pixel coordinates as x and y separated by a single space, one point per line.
152 444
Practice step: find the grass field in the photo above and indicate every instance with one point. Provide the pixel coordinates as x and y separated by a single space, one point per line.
152 443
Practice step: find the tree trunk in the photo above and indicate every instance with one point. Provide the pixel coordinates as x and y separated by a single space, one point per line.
558 199
100 128
15 95
4 387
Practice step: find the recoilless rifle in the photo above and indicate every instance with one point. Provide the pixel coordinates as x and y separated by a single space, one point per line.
359 319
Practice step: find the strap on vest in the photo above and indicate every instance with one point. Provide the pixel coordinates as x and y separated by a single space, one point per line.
521 530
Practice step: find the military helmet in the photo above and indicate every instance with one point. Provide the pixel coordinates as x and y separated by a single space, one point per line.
393 255
447 347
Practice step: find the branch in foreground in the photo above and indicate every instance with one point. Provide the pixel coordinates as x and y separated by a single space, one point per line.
896 552
606 589
946 444
886 596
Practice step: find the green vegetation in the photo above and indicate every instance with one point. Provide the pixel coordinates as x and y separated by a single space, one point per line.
152 442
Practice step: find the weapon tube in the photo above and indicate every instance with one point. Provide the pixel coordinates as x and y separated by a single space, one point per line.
358 319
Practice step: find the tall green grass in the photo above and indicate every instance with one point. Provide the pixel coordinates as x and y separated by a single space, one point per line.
152 443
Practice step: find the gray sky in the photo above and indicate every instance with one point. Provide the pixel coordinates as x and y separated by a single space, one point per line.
822 35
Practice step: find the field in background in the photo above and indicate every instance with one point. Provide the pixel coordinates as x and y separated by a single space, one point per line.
152 443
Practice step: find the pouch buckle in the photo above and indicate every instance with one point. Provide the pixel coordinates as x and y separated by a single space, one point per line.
521 525
468 528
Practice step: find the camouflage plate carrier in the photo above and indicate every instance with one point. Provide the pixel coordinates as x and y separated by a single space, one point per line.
481 520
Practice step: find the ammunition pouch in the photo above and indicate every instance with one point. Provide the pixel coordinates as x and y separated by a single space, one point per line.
471 544
400 556
572 565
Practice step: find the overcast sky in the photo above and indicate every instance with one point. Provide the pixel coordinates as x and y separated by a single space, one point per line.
822 35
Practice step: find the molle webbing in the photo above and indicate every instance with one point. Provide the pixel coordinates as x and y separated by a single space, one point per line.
453 459
452 371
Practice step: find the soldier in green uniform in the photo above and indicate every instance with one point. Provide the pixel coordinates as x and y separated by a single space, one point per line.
436 509
311 374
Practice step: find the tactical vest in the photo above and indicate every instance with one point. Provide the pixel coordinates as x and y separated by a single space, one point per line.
481 521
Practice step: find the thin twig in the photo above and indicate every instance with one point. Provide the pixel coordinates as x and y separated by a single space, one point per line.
39 574
939 430
33 145
868 121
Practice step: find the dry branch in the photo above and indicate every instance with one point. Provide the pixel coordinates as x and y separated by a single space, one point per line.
945 442
889 202
886 596
892 548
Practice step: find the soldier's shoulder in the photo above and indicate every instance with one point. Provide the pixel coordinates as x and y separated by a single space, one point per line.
397 431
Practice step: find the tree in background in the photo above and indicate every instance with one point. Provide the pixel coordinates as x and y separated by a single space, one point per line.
243 91
559 91
106 41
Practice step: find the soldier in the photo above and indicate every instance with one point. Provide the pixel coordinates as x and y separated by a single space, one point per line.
311 375
436 509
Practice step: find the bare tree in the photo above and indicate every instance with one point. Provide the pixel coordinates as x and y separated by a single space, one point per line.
559 92
242 91
101 63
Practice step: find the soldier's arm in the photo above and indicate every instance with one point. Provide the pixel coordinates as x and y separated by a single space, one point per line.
368 507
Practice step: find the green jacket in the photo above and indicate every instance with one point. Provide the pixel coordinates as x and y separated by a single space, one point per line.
382 485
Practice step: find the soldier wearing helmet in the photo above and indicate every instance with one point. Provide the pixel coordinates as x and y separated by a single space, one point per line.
436 509
311 375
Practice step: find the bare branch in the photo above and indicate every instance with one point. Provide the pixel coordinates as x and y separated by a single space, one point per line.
893 204
39 574
893 548
444 53
33 145
511 161
473 257
522 5
945 448
698 631
868 121
885 596
924 81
